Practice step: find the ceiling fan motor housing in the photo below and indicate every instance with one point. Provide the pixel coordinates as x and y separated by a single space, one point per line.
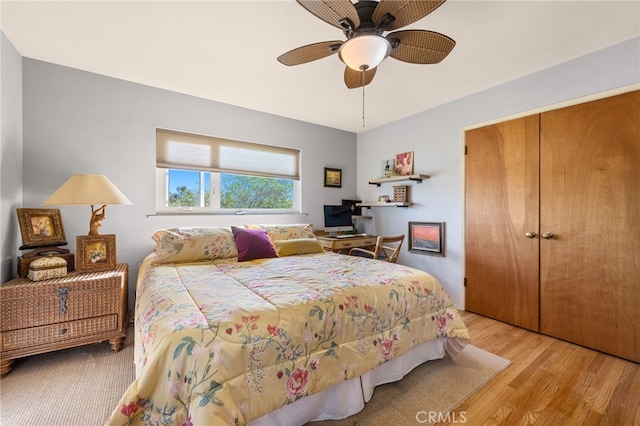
365 11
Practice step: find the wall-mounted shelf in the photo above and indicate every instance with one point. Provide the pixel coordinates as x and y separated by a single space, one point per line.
415 178
390 204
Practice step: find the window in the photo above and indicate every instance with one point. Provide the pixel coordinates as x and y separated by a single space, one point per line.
213 175
188 188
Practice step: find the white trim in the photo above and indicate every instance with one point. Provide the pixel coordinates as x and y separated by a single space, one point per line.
463 200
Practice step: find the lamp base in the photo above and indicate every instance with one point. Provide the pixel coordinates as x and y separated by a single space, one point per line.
97 216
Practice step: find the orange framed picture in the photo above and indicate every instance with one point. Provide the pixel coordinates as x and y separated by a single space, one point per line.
41 227
96 252
426 238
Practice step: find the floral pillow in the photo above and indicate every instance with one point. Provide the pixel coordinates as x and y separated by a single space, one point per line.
192 244
297 246
286 232
252 244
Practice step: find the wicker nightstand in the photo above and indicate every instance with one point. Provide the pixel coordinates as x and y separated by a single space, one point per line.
44 316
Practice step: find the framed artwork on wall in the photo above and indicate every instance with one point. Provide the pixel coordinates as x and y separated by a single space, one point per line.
404 163
41 227
426 238
388 168
332 177
96 252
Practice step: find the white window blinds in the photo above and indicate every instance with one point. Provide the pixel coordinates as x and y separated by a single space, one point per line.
177 150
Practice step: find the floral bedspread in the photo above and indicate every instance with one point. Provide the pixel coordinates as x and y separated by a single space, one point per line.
225 343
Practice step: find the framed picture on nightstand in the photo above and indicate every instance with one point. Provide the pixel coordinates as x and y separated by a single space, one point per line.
96 252
41 227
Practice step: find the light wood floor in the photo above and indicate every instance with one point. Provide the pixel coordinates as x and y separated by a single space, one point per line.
549 382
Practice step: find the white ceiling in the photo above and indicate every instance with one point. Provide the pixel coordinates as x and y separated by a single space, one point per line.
226 50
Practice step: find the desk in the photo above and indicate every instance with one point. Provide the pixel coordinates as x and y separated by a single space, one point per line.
343 245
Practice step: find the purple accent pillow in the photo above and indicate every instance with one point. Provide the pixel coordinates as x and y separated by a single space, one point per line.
253 244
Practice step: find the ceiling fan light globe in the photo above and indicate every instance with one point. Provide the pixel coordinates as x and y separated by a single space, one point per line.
364 52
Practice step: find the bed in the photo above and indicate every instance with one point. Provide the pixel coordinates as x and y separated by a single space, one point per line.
258 325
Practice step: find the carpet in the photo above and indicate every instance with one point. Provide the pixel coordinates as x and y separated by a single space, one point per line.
77 386
83 385
429 393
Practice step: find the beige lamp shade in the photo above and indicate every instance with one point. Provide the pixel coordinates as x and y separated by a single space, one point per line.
87 190
92 190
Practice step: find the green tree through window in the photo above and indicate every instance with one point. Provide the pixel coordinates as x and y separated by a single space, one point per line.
252 192
186 197
236 191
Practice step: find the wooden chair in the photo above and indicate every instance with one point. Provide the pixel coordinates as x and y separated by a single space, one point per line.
382 250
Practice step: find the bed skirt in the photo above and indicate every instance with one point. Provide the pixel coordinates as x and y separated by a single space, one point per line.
348 398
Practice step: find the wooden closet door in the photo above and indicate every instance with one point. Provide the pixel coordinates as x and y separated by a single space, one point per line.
501 207
590 202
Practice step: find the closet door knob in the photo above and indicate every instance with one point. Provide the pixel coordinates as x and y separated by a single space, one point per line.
547 235
530 234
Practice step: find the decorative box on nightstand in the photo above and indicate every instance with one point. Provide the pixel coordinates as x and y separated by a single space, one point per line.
48 315
24 262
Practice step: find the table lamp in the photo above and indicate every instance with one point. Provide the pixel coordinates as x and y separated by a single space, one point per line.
90 190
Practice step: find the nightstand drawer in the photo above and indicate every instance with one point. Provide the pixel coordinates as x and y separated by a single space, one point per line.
77 304
51 334
25 303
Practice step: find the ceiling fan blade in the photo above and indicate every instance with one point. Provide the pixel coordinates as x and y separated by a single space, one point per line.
310 52
420 46
332 11
353 78
405 12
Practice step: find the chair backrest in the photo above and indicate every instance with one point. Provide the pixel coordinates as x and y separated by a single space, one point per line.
388 248
371 252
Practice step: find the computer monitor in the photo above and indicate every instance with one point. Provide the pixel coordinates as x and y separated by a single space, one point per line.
337 218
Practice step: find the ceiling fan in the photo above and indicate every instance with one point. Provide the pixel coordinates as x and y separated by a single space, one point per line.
364 23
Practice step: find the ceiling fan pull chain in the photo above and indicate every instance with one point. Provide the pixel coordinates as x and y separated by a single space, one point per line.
363 69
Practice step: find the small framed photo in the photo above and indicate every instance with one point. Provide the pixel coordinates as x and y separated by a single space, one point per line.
96 252
41 227
383 199
333 177
388 168
426 238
